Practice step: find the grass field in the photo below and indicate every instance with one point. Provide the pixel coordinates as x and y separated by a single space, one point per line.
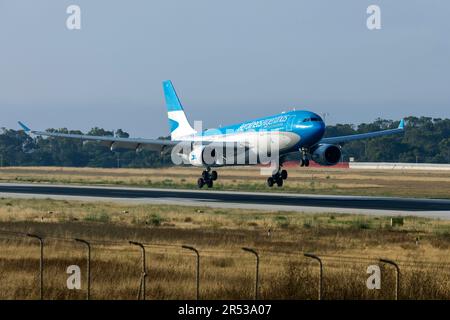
348 244
302 180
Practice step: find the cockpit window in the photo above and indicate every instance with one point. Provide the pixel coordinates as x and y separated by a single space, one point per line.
313 119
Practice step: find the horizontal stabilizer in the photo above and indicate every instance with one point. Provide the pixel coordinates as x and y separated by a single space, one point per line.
24 127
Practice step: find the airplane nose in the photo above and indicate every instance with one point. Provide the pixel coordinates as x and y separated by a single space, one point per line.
319 127
317 132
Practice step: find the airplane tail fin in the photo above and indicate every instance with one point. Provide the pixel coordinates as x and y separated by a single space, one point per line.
178 123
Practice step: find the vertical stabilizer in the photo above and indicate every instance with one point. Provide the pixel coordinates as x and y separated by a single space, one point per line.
178 123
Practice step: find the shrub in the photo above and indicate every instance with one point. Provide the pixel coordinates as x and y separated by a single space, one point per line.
98 217
149 219
360 224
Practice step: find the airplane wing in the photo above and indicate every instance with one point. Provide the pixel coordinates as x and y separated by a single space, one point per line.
353 137
109 141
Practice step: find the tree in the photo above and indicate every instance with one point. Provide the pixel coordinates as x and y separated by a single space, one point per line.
425 139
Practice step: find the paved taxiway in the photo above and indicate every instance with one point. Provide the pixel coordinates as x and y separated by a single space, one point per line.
434 208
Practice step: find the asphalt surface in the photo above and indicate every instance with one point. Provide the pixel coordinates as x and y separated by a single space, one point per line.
245 198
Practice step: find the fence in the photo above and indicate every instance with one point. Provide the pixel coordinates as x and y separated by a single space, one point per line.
391 271
398 166
378 165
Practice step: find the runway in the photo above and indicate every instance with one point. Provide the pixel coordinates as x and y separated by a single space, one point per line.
435 208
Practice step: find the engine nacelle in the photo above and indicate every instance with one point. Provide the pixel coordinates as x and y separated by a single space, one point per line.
327 154
202 155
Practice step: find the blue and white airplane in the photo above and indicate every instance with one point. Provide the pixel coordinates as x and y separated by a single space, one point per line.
298 135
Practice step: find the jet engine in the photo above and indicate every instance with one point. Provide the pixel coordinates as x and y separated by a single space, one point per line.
327 154
203 156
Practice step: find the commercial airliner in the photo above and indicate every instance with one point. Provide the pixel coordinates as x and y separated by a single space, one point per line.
289 135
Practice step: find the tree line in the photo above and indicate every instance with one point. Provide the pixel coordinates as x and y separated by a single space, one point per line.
425 140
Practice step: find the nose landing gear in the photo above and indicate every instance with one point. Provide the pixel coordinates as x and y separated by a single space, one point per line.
304 161
207 178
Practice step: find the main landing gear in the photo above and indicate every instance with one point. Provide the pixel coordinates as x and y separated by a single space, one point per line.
207 178
277 178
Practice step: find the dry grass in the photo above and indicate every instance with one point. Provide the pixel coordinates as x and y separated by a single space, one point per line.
348 244
304 180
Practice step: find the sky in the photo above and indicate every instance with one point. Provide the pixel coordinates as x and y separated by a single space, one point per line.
230 61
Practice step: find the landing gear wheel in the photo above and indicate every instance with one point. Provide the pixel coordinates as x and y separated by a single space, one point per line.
280 182
306 162
207 178
270 181
284 174
302 163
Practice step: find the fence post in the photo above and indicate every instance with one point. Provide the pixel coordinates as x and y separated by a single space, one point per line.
397 275
309 255
257 270
144 270
198 268
88 267
41 264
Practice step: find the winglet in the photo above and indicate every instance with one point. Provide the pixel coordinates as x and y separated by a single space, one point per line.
402 124
24 127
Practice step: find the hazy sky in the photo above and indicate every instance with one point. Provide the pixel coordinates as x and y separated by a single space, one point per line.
229 61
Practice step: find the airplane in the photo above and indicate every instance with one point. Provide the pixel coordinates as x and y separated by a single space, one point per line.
298 134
